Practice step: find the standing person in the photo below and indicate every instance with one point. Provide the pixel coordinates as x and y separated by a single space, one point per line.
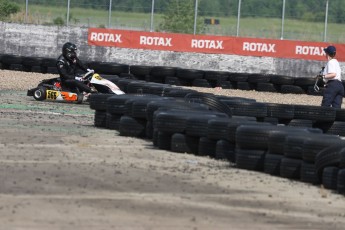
334 91
68 64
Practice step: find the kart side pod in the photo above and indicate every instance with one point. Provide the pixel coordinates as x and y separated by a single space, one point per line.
42 93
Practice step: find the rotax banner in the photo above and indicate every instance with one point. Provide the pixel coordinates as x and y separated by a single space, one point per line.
211 44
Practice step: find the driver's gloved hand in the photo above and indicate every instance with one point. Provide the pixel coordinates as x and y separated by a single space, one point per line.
79 78
90 70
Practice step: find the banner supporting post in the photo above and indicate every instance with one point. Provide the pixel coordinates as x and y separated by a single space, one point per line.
152 12
238 18
283 20
68 7
109 16
195 15
326 23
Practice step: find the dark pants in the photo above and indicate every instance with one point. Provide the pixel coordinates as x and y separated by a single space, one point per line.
71 83
333 94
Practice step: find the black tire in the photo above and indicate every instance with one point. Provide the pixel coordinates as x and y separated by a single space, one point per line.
181 143
301 123
40 93
100 119
190 74
244 86
225 150
112 68
290 168
17 67
330 177
117 104
281 111
201 83
10 59
336 128
172 81
304 81
246 108
132 127
213 102
314 113
233 125
99 101
291 89
328 157
48 62
340 114
282 80
272 164
312 146
113 121
217 128
135 87
341 181
29 62
140 70
216 76
238 77
139 106
259 78
266 87
250 159
171 103
293 146
163 71
224 85
277 138
309 174
164 140
172 120
197 124
254 136
207 147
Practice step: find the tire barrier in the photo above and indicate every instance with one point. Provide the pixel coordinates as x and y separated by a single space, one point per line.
175 76
304 143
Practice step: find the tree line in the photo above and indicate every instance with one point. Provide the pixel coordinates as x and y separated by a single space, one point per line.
309 10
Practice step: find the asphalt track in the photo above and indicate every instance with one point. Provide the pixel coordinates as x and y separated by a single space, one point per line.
57 171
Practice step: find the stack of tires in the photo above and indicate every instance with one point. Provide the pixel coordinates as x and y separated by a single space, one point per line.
290 141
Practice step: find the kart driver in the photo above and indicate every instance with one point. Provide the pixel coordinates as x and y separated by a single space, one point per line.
68 64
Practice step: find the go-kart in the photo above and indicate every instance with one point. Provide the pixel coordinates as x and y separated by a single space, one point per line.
54 89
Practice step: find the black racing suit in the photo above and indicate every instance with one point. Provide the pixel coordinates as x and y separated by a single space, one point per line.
68 71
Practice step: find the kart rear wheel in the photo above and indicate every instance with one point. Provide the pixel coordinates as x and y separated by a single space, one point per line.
40 93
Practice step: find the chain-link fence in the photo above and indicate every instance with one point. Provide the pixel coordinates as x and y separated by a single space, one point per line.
236 17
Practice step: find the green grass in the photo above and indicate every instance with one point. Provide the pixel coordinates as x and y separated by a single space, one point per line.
249 27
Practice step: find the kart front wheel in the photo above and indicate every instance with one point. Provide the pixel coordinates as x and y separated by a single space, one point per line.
40 94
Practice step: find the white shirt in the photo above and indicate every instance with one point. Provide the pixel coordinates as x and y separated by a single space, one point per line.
333 67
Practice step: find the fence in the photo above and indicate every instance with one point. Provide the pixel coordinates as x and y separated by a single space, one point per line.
281 23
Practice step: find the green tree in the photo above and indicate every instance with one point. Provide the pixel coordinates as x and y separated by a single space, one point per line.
179 17
7 8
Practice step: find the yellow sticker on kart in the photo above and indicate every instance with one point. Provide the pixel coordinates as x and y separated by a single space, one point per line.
61 95
96 76
52 94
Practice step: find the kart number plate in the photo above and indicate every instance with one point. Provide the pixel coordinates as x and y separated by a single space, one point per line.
52 94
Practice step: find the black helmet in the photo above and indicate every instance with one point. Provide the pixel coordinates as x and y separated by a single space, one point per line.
69 51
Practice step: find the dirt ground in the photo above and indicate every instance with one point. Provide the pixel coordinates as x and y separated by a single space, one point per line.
57 171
